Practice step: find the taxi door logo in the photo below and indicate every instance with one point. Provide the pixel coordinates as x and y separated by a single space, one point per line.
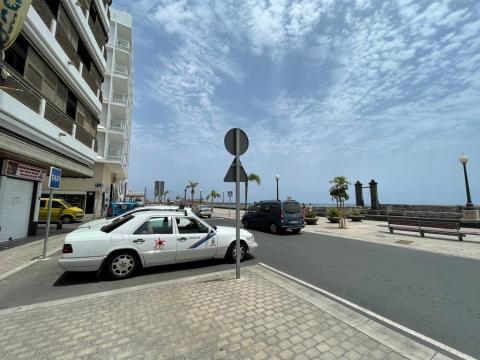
159 244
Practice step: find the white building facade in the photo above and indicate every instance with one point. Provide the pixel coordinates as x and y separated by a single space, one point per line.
50 104
110 176
114 130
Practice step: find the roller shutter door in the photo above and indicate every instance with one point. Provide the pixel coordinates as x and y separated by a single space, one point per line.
15 203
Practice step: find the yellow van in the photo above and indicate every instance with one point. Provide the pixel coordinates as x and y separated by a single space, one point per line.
60 211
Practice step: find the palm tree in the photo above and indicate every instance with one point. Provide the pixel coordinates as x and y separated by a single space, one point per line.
165 196
339 193
251 177
212 195
192 185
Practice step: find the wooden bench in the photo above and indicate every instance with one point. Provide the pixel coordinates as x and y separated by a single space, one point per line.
426 227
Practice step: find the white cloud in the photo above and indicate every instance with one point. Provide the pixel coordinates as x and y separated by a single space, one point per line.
397 69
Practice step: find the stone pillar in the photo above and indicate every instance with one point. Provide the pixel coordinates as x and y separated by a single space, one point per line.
373 195
359 194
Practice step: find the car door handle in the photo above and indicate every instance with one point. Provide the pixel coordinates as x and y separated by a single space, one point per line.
182 239
138 241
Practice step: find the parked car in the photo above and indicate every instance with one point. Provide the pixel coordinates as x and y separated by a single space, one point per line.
61 211
149 238
119 207
97 224
203 211
276 216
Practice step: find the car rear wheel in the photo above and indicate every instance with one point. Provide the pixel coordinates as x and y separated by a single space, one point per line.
232 251
122 264
67 219
274 228
296 231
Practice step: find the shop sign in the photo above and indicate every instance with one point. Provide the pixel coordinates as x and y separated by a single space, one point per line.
12 16
23 171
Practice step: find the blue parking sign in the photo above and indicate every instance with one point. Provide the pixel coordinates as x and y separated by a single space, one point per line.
54 178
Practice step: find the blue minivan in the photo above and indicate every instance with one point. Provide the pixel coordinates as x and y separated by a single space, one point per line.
275 215
119 207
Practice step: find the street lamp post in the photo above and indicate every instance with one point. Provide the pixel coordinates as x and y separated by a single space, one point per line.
277 177
185 196
463 160
200 196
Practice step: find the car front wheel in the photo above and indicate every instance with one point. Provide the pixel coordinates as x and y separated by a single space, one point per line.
232 251
67 219
122 265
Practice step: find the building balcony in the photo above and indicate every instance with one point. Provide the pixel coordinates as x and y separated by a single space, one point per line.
115 154
121 70
123 44
119 126
17 87
42 28
119 98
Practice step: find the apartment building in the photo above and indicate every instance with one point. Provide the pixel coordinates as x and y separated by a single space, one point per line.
50 104
113 132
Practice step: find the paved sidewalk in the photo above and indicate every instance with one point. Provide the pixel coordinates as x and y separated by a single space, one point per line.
261 316
24 255
370 231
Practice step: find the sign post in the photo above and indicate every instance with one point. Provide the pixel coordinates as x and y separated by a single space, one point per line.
236 143
230 194
53 183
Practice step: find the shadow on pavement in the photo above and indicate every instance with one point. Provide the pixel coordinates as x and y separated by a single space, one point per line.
79 278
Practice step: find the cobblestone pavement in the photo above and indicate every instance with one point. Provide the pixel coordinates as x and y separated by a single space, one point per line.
23 255
368 230
260 316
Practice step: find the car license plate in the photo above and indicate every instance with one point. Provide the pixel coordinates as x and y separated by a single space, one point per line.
293 222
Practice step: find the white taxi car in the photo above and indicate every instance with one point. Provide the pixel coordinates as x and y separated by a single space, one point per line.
149 238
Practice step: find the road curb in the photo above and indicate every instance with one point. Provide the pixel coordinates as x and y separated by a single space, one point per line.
367 321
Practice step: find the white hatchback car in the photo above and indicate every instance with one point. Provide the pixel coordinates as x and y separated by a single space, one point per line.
150 238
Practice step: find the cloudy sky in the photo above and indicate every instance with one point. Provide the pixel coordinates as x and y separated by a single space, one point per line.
384 90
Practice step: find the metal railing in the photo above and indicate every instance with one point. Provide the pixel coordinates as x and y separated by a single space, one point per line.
118 124
20 89
89 79
98 32
125 44
121 69
60 119
119 98
43 11
67 46
84 137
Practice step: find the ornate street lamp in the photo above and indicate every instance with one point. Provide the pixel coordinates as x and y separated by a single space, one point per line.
277 177
463 160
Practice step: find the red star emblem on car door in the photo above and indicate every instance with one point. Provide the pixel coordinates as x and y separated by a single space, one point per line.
159 244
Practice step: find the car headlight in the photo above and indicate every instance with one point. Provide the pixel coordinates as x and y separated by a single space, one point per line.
78 212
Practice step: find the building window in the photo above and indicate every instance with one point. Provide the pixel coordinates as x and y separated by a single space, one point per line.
71 104
16 55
